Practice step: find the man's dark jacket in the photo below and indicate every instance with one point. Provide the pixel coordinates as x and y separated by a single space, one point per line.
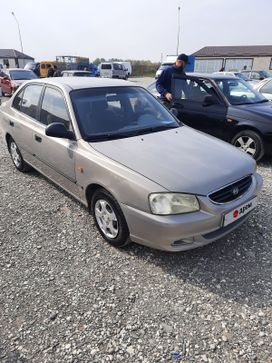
163 83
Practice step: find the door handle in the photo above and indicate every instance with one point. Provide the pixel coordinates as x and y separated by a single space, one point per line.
38 138
11 123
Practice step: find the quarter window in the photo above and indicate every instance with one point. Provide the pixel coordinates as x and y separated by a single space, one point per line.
17 101
54 108
30 100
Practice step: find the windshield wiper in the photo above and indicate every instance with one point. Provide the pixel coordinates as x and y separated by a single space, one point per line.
121 135
262 101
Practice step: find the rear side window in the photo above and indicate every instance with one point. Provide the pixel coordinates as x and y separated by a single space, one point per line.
54 108
30 100
106 66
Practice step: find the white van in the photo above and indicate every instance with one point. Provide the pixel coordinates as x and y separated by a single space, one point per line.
113 70
127 66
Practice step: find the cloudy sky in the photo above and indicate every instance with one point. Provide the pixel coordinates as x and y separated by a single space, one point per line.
141 29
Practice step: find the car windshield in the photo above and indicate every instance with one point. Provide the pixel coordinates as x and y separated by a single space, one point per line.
239 92
22 75
267 74
118 112
241 76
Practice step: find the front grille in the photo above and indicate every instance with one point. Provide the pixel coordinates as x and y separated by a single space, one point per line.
232 191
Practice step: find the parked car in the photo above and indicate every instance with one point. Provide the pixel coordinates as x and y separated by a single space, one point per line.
145 177
34 67
257 75
127 67
162 67
239 75
76 74
113 70
225 107
265 87
12 78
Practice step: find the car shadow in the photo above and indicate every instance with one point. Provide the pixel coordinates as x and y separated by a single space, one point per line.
237 267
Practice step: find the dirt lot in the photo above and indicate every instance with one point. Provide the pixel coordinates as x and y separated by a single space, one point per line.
66 296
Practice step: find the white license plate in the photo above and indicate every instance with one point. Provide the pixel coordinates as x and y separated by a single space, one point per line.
239 212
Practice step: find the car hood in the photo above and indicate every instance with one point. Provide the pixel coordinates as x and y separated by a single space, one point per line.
261 111
180 160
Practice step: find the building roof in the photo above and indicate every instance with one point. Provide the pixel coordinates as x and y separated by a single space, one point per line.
236 51
13 53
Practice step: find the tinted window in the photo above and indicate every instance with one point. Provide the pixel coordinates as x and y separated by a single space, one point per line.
30 100
54 108
192 90
15 75
105 66
116 112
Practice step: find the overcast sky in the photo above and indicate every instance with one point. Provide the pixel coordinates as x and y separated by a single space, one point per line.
126 29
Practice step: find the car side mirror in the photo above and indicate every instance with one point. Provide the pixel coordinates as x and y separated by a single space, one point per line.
57 129
210 100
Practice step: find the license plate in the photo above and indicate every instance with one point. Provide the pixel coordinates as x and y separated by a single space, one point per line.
239 212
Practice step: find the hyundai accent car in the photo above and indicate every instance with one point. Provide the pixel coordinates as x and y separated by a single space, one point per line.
12 78
225 107
144 176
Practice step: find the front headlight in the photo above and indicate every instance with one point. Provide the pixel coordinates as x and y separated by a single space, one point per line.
173 203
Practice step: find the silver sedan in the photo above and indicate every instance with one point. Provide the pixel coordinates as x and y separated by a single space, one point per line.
144 176
265 87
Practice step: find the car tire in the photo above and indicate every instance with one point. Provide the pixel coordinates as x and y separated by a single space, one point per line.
109 218
250 142
16 157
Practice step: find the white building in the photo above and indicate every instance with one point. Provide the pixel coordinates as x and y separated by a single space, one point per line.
233 58
13 58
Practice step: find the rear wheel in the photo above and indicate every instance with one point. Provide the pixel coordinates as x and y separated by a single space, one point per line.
109 218
16 156
250 142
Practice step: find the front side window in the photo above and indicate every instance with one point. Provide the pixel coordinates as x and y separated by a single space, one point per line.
118 112
54 108
30 100
192 90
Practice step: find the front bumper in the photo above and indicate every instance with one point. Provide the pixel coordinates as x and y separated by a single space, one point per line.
187 231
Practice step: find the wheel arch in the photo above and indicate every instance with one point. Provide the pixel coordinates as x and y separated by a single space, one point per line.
240 128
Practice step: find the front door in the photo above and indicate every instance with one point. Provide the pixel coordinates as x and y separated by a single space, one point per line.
191 96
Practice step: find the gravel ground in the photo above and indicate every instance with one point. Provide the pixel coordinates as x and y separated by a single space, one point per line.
66 296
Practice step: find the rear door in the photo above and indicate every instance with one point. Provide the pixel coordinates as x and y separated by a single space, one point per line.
55 157
190 96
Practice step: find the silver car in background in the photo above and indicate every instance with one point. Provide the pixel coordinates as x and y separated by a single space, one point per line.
145 177
265 87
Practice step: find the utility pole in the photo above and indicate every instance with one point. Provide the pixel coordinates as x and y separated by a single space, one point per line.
12 13
178 33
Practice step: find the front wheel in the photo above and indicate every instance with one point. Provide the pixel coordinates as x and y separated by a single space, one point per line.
16 156
109 218
250 142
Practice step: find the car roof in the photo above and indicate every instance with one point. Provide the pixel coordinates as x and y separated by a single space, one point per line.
18 69
75 71
210 75
83 82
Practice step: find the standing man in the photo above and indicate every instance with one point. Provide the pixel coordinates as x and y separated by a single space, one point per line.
164 82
